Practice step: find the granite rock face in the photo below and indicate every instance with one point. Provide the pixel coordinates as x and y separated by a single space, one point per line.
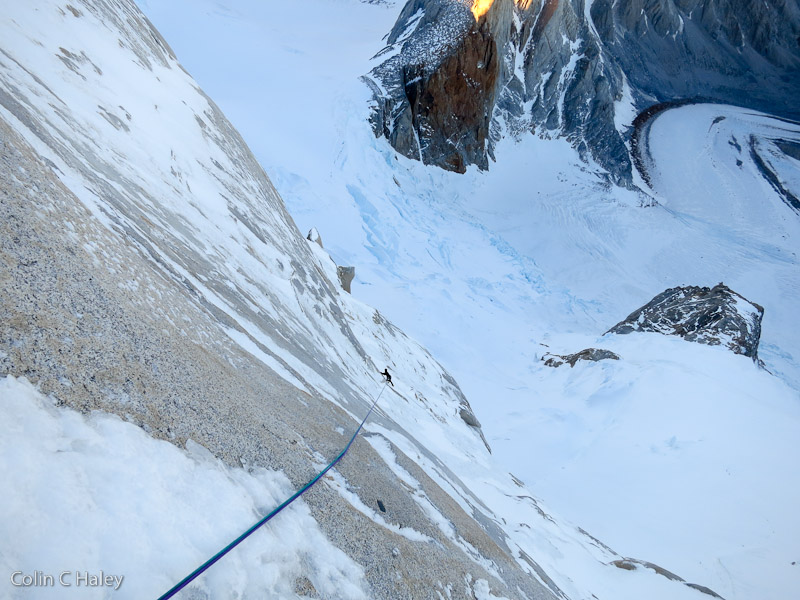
714 316
455 84
451 106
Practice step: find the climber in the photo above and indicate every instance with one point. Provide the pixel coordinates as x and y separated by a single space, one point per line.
386 376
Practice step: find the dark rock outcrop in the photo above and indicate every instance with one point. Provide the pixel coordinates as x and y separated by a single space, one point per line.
569 82
589 354
346 276
441 87
451 106
469 417
455 83
714 316
314 236
466 414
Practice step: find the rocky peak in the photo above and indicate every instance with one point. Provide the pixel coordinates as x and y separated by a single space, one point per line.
714 316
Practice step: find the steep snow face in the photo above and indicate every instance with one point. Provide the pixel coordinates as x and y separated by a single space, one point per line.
153 157
492 270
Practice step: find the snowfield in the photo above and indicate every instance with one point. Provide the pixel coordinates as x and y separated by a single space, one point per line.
679 454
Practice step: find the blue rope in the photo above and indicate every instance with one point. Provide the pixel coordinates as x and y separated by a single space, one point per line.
206 565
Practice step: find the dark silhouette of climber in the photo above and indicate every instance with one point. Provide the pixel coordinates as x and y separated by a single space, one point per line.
386 376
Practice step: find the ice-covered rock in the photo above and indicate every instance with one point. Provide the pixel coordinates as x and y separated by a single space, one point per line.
441 82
